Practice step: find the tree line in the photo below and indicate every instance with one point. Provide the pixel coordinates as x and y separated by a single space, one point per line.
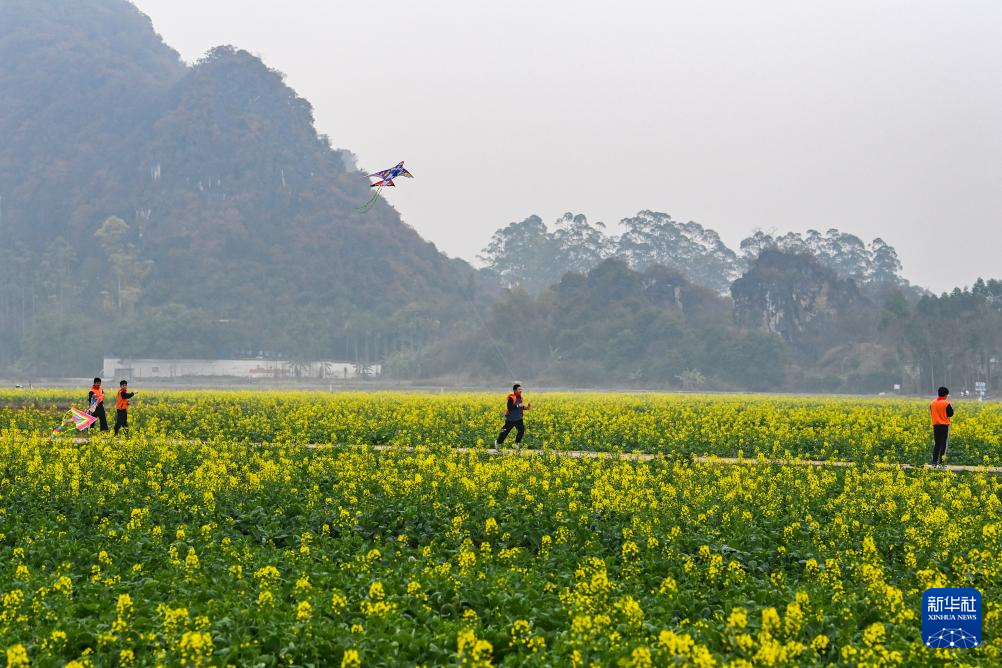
533 255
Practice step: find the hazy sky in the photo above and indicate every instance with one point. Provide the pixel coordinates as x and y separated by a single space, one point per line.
879 117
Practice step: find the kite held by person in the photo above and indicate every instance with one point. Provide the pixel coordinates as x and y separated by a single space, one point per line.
95 401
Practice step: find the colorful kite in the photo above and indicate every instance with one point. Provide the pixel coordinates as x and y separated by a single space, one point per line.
74 418
385 179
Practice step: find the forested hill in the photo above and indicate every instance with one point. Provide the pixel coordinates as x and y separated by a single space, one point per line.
166 209
82 83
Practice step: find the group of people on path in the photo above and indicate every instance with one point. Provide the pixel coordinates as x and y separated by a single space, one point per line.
95 403
941 412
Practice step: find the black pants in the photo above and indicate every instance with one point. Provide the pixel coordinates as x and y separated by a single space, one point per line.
101 416
517 425
121 420
941 436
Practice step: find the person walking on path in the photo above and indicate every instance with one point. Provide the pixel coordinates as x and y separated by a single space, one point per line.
122 406
941 411
513 414
95 400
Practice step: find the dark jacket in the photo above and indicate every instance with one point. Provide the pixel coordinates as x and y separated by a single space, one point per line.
514 411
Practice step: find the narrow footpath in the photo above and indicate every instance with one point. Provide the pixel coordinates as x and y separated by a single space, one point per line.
647 456
702 459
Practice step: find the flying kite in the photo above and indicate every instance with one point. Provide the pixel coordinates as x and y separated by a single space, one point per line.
384 179
74 418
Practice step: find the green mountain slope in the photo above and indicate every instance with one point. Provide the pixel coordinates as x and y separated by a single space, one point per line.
236 218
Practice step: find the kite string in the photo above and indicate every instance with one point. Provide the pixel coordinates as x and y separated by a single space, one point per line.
372 201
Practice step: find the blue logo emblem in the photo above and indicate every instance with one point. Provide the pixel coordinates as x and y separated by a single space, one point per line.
951 618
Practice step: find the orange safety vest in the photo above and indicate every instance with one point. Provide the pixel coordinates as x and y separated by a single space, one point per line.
121 403
938 410
514 400
98 394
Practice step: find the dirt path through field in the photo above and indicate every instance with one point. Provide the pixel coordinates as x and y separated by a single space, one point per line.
646 456
703 459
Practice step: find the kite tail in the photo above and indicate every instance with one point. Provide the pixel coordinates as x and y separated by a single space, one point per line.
67 421
372 201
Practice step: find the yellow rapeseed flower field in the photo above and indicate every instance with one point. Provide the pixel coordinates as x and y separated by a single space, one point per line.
211 536
845 428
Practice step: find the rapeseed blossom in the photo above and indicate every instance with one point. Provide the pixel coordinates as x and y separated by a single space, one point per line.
163 547
17 656
196 648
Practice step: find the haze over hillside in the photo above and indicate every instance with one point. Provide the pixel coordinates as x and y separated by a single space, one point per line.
155 208
234 221
876 118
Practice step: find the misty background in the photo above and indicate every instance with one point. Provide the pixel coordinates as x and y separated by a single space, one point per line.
791 197
877 118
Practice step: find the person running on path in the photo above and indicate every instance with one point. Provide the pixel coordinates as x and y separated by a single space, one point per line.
513 414
95 399
122 406
941 411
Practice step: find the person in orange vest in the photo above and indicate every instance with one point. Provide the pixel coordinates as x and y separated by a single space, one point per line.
513 414
122 406
95 401
941 411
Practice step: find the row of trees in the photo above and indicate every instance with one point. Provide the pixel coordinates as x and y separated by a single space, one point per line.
875 264
612 325
813 331
953 339
532 255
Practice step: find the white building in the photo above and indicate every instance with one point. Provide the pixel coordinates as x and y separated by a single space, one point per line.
116 369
